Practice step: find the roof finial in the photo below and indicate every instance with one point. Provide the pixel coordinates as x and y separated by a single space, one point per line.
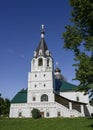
42 26
42 31
57 64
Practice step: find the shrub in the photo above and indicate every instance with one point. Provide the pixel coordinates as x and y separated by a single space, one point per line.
35 113
92 115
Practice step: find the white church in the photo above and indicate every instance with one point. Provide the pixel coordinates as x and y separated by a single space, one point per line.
48 91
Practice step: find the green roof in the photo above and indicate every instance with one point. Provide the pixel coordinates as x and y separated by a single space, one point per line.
20 97
62 86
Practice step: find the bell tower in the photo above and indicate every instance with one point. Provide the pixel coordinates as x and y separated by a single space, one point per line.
42 60
40 79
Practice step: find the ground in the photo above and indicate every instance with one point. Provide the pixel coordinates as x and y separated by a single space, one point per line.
46 124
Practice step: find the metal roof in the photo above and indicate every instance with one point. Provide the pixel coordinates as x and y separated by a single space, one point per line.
20 97
62 86
42 46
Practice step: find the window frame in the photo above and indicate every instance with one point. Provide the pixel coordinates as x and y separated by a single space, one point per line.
40 62
47 114
44 98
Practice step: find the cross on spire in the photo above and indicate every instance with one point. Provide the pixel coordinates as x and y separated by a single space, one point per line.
42 31
57 64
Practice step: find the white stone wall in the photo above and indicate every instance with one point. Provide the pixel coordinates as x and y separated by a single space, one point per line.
73 96
42 80
46 107
90 108
35 67
16 108
39 83
38 94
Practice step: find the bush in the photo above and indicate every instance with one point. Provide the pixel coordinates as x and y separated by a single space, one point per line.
4 106
92 115
35 113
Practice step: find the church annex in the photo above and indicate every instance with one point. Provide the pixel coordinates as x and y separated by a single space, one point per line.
48 91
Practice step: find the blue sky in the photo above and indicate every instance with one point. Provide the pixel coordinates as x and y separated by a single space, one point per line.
20 26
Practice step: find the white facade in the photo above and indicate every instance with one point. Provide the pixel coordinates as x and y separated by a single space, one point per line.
41 93
76 96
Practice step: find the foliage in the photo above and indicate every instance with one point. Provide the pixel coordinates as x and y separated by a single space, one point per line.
91 102
78 38
35 113
4 106
46 124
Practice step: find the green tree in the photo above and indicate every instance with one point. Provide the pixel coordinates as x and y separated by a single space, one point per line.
35 113
1 105
4 106
78 38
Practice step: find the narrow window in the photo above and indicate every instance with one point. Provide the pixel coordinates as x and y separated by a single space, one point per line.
47 114
34 99
33 62
20 114
48 62
40 62
58 113
77 98
35 85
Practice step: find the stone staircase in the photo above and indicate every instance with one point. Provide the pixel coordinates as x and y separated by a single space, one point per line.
67 112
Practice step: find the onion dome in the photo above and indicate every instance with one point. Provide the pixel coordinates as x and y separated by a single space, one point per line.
57 73
57 70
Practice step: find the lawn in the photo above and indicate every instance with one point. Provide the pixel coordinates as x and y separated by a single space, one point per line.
46 124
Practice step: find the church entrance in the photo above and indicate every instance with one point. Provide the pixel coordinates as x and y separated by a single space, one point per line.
42 114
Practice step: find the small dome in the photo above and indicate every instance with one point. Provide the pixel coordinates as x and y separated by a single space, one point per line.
57 70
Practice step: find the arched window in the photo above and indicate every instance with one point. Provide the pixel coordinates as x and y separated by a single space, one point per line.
40 62
44 97
40 52
47 52
34 99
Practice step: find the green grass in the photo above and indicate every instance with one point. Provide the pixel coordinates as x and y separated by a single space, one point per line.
46 124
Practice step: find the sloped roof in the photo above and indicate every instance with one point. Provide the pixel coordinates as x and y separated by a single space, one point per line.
20 97
62 85
42 46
